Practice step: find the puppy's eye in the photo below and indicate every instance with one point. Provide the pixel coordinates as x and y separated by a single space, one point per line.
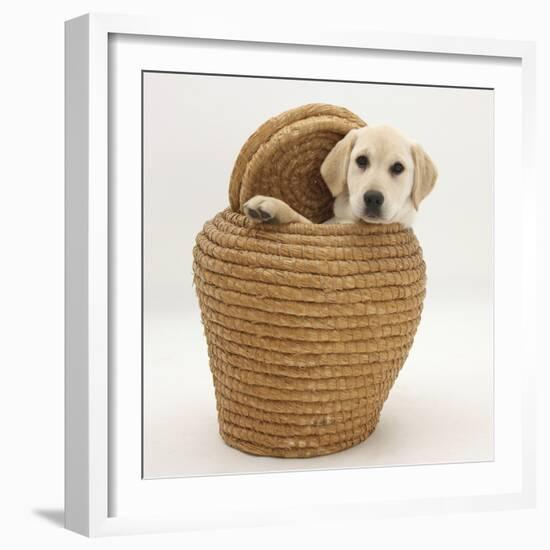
396 168
362 161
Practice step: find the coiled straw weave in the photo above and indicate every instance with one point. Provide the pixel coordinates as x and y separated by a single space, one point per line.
307 326
282 159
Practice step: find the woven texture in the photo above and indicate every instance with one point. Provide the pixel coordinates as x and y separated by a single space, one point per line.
283 157
307 326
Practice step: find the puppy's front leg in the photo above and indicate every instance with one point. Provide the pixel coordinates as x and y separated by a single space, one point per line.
262 209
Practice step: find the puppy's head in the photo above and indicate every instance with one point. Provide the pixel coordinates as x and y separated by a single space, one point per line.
385 174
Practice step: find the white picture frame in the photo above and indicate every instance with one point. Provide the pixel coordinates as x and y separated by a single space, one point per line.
99 500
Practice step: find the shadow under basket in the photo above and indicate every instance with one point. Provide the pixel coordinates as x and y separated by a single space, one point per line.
307 326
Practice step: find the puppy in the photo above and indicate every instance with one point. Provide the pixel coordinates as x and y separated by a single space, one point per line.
376 175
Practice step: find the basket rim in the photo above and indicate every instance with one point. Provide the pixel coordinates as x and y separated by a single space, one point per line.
359 228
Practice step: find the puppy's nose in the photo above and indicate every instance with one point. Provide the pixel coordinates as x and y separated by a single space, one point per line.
373 201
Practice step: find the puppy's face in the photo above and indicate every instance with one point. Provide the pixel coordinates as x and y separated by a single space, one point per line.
385 174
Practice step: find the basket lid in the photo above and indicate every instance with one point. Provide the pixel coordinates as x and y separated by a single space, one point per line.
283 158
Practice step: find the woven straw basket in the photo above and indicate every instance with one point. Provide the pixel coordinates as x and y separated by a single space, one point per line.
307 325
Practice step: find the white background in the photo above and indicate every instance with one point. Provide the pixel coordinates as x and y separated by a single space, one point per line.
31 398
441 407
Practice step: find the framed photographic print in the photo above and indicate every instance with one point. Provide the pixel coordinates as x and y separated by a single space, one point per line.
298 275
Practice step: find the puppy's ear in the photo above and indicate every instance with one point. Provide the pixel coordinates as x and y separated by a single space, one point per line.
425 175
335 166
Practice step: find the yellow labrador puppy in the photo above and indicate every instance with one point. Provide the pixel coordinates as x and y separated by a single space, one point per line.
375 174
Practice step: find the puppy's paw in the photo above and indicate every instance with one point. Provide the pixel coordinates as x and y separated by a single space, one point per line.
261 209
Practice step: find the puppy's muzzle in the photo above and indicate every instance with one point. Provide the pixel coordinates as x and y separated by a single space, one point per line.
373 203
